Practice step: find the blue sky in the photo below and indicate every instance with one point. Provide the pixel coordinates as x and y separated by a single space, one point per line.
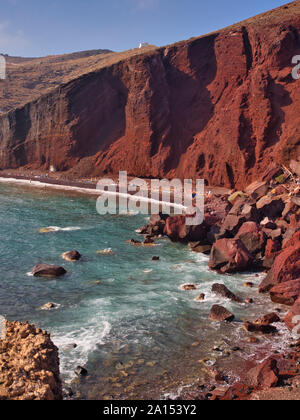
43 27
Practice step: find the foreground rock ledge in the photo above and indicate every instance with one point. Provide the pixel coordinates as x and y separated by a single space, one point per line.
29 364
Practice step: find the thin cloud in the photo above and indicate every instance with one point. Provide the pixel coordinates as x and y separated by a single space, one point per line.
144 4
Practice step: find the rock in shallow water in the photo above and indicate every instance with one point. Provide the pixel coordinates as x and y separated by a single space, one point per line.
220 314
49 306
221 290
80 371
71 256
46 270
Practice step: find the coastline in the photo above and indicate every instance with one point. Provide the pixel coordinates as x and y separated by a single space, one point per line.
187 391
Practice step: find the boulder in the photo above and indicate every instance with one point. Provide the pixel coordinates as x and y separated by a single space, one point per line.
271 207
267 319
188 287
264 375
229 256
220 314
252 237
286 267
231 226
257 189
259 328
221 290
292 319
71 256
45 270
80 371
178 231
272 172
286 293
200 298
198 247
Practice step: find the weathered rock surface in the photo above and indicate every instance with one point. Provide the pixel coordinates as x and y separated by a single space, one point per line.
229 256
222 107
29 365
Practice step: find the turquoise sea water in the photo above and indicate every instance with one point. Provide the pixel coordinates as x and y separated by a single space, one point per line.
138 334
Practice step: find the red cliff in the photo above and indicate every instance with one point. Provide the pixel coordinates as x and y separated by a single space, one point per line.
222 107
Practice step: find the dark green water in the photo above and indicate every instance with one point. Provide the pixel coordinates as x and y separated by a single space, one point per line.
138 334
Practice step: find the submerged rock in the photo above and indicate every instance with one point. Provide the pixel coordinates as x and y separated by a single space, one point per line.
107 251
46 270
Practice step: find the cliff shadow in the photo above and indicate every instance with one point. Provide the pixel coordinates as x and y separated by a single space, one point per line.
191 107
97 102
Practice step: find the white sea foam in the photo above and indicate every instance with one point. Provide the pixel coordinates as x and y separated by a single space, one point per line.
50 229
29 274
87 338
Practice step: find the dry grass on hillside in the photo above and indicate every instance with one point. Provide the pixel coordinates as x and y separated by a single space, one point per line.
29 78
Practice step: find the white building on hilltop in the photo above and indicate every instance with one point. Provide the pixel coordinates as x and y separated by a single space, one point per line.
143 44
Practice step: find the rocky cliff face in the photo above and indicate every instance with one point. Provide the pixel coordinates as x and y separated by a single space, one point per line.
223 107
29 365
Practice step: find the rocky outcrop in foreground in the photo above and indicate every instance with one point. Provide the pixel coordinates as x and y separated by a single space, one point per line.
29 364
221 107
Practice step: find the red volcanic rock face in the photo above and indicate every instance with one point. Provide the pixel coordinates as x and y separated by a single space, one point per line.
222 107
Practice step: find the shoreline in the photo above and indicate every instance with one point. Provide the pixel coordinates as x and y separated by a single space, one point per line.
269 353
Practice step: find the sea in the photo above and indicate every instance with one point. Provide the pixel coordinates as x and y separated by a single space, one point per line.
120 315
